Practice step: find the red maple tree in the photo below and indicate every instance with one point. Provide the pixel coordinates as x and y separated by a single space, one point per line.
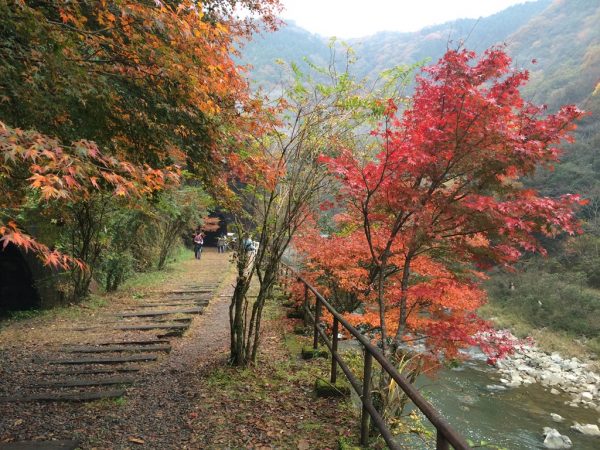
442 200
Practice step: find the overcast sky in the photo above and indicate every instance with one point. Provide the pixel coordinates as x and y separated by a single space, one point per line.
357 18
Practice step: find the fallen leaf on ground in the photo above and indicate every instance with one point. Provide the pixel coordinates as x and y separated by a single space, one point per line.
303 444
136 440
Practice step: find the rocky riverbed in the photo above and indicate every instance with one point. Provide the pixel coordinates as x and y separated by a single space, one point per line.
530 400
568 375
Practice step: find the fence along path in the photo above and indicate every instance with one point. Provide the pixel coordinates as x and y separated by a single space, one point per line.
446 435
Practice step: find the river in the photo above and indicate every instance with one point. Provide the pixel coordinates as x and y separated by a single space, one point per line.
512 418
473 400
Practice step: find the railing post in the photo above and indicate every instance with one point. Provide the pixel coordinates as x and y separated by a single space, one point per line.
317 318
366 399
334 347
441 442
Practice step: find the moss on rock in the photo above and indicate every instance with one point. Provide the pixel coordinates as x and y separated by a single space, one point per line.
310 353
324 388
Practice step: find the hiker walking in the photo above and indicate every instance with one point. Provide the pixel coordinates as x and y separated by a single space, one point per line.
221 244
198 243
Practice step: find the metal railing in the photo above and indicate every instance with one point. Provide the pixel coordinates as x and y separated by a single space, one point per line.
446 435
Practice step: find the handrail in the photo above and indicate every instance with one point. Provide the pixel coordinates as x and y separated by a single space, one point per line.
445 433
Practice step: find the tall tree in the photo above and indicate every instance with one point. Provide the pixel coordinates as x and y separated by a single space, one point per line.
315 114
153 81
441 199
146 82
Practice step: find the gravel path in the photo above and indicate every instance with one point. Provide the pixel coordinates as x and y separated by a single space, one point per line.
156 411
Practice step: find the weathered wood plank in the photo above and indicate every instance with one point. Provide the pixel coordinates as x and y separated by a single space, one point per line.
163 304
65 396
81 382
140 342
96 371
162 319
40 445
118 348
164 312
109 360
157 326
189 291
183 298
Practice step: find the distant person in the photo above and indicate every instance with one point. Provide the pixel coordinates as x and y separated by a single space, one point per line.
248 244
221 242
198 243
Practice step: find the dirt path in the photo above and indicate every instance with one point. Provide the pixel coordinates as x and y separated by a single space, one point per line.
156 410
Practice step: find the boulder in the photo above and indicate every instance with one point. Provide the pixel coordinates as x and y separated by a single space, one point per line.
526 369
587 429
587 396
551 378
554 368
555 440
495 387
557 417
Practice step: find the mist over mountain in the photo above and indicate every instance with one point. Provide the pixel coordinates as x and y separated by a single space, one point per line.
383 50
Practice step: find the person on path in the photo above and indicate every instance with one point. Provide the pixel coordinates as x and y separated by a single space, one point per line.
198 243
221 244
248 243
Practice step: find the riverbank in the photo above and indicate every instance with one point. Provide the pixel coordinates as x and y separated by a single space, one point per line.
530 364
556 360
547 340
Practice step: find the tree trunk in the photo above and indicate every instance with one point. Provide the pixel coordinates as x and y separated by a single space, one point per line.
237 315
403 300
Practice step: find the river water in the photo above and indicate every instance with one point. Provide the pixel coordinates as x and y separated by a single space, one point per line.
513 418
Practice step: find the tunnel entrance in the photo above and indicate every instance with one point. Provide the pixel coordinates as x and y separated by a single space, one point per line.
16 282
211 236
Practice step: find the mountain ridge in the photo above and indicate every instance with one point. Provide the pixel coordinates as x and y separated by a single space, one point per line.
381 50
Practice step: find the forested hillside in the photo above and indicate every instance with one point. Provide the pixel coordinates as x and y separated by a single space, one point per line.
559 43
382 50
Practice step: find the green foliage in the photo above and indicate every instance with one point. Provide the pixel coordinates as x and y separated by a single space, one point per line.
546 293
117 267
324 388
310 353
175 212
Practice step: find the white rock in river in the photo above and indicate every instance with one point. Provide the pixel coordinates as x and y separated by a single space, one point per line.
551 379
555 440
588 429
557 417
495 387
554 391
587 396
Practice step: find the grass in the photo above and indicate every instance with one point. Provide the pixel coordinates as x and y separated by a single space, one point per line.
70 311
108 403
546 339
155 277
274 403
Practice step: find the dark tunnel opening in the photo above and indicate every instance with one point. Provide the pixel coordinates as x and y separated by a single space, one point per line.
17 291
